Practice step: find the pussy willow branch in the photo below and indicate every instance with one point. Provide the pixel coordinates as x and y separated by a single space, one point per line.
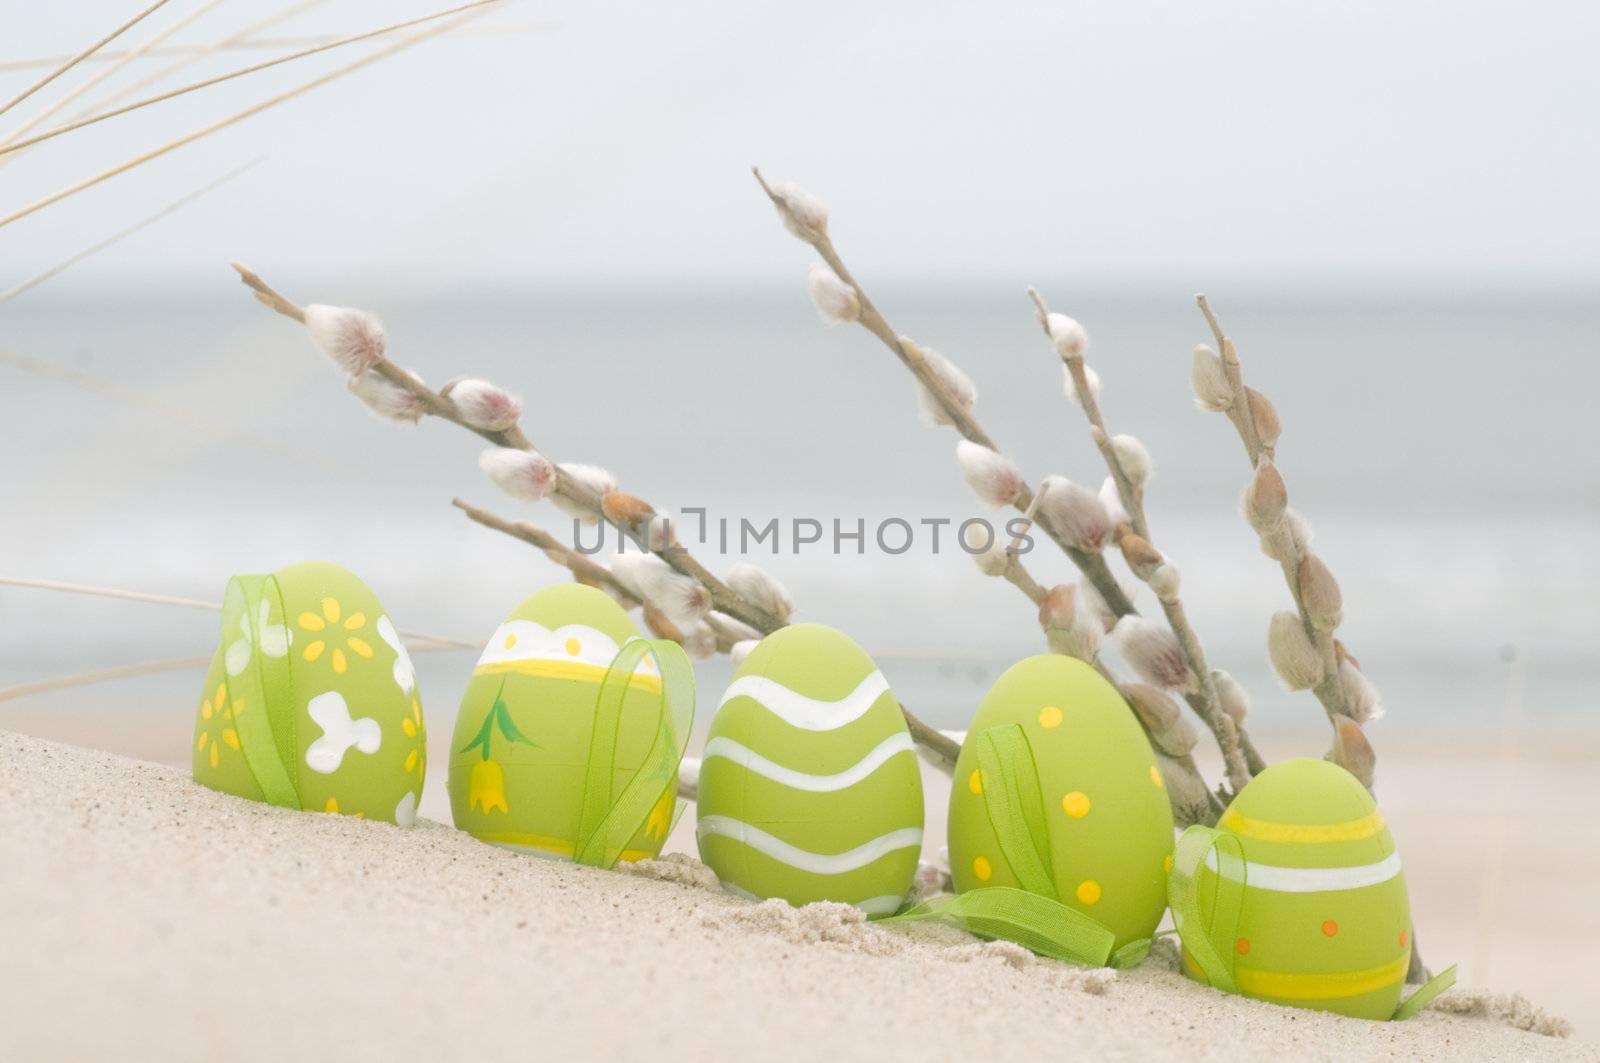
1092 565
1330 691
723 598
583 569
1017 574
1207 705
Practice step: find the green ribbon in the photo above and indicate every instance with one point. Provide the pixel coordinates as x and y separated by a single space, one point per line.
1426 994
1032 916
1209 942
1199 935
266 726
607 822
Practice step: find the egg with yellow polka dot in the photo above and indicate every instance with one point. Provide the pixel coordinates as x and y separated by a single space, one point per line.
1106 813
520 750
1324 920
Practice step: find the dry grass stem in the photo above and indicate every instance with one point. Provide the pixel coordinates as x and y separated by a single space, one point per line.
954 412
192 603
233 119
1205 702
81 56
122 234
101 75
259 44
11 145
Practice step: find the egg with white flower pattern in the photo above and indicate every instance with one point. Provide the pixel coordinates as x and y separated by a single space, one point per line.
809 786
1105 814
519 756
311 701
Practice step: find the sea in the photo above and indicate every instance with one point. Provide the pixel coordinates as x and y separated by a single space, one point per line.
1442 442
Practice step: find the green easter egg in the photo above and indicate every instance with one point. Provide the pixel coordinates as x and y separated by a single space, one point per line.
809 785
311 701
1325 921
520 752
1105 804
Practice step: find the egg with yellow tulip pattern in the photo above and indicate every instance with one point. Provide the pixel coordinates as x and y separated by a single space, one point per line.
1325 921
1105 807
311 700
520 753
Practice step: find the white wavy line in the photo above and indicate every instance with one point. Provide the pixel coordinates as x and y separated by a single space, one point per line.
745 757
1315 879
887 904
804 859
809 714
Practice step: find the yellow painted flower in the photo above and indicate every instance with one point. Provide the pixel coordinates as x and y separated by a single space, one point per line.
486 786
417 759
216 718
661 815
332 633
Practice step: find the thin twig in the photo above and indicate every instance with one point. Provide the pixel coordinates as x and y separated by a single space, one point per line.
80 57
1091 564
582 568
1206 704
439 405
171 208
248 112
8 146
1330 691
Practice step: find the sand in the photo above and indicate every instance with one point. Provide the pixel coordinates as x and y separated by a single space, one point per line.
143 917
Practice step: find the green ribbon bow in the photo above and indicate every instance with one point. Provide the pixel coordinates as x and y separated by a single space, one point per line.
1032 916
1209 942
607 821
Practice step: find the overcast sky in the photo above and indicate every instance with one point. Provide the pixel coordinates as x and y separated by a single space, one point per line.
1365 140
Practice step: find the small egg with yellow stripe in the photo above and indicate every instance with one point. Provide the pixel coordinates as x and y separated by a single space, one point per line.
1324 922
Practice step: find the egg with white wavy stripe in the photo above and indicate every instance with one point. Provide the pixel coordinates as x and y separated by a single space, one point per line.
1325 922
809 786
519 755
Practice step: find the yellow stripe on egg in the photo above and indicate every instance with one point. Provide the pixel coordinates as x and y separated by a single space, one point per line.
560 669
1288 985
1302 833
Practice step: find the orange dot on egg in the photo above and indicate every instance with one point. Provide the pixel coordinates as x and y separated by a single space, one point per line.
1329 927
1404 938
981 868
1242 946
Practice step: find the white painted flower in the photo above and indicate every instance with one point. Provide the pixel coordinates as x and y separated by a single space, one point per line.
405 813
339 732
405 675
274 642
